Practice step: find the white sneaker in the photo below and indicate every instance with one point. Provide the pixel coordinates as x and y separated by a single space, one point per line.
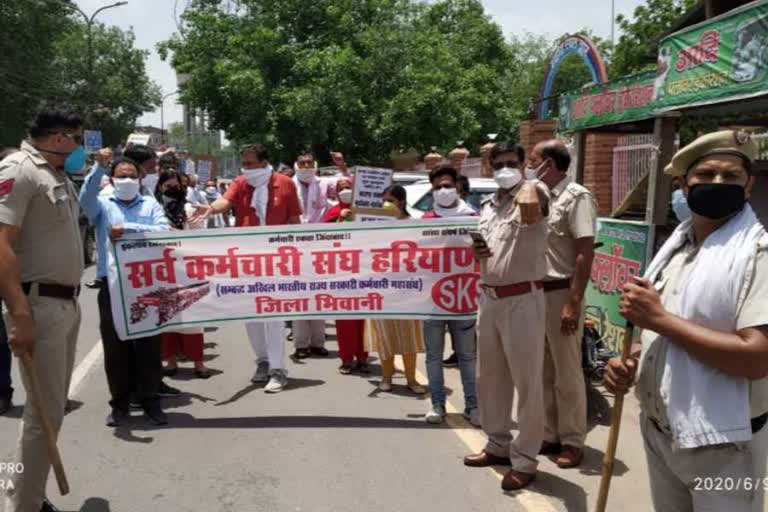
473 417
436 415
262 373
277 382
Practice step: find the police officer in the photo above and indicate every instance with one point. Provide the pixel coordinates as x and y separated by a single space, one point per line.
510 347
569 259
41 264
704 317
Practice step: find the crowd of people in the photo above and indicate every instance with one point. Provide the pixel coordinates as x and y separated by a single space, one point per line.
534 245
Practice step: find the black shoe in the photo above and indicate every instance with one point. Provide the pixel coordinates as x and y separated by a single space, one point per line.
170 372
452 361
47 506
301 353
166 390
318 351
117 417
5 404
155 415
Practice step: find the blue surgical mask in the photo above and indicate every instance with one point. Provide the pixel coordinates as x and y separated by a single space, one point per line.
680 205
76 160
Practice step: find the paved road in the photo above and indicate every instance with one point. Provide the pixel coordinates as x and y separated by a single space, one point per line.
329 443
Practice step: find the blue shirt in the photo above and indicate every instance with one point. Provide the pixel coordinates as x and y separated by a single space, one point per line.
142 215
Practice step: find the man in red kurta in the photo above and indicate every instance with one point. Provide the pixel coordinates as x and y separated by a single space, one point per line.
261 197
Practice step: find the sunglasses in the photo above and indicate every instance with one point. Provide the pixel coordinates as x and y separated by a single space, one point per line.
513 164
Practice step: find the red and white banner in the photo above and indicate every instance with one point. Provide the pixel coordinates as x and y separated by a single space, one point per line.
402 269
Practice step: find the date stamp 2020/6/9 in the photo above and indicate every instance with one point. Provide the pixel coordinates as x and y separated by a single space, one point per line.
730 484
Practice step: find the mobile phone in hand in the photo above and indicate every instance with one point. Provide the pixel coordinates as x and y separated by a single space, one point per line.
478 240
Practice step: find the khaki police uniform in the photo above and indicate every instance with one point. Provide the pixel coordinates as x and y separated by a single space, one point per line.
572 216
510 348
726 477
43 203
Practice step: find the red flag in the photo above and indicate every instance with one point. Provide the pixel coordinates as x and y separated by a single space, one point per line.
6 186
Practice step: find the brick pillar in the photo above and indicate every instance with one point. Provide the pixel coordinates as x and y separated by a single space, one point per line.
533 132
598 168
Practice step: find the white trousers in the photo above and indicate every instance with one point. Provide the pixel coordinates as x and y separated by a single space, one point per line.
268 342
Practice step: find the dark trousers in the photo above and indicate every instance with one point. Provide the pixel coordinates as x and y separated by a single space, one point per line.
133 366
6 391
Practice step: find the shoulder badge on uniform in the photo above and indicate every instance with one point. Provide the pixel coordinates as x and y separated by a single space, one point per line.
741 137
6 186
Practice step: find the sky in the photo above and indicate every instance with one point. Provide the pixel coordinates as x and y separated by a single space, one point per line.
153 21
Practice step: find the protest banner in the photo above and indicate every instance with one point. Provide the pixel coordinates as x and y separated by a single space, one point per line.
370 184
92 140
403 269
622 255
204 170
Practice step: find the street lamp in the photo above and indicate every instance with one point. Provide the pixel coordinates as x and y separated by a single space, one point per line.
162 115
89 25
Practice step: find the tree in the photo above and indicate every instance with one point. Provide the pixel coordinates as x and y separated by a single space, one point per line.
118 92
46 58
31 28
360 76
638 45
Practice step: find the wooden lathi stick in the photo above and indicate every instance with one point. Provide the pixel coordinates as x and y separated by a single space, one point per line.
50 436
613 438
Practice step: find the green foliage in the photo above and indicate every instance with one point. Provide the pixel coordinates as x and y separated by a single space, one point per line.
47 58
360 76
638 45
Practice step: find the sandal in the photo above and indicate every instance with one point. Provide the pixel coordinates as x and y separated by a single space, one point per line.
417 388
345 369
363 368
170 372
385 386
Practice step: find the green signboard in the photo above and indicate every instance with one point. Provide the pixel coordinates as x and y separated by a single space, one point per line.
622 255
722 59
616 101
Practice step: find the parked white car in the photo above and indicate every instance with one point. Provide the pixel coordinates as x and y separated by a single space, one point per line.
420 195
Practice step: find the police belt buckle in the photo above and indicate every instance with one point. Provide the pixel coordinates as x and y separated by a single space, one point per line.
490 291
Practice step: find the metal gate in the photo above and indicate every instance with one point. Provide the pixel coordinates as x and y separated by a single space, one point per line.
633 159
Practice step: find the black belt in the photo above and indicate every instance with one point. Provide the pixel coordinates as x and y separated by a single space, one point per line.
757 424
559 284
55 291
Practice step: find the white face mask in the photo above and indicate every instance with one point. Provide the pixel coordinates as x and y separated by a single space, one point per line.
257 178
211 191
126 189
533 174
446 197
345 196
508 177
306 176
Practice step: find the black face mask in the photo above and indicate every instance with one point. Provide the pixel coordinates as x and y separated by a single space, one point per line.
715 200
174 193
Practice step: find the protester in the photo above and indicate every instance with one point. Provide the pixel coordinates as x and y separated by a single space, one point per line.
189 342
147 159
261 197
448 204
572 222
168 160
186 164
195 196
702 386
511 318
212 194
392 337
349 333
6 385
41 265
131 366
309 335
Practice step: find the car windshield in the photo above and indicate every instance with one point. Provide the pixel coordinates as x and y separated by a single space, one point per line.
475 199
